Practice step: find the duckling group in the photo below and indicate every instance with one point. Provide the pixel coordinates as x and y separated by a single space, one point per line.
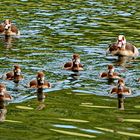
119 48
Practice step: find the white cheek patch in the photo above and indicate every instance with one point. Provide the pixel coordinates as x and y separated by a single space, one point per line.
18 72
112 70
120 87
77 61
41 79
7 26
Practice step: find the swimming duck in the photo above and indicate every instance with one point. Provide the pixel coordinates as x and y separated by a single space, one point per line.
122 48
15 75
110 74
75 64
39 82
121 88
4 95
7 28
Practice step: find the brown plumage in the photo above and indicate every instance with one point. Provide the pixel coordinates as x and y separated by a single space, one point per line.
75 64
15 75
7 28
122 48
121 89
40 81
110 74
4 95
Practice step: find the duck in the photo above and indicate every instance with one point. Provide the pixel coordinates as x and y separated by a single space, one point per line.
4 95
39 82
110 74
8 29
121 88
75 64
122 48
14 75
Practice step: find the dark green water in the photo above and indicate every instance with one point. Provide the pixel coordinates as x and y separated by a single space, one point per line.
51 31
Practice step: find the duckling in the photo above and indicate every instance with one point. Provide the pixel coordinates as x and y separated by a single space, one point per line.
8 29
39 82
4 95
121 88
15 75
75 64
110 74
122 48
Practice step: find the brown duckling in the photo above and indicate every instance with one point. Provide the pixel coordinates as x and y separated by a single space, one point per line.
7 28
122 48
121 88
40 81
110 74
14 75
75 64
4 95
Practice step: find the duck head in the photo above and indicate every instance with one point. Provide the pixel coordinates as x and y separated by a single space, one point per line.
76 59
121 84
7 24
17 70
40 78
110 70
121 41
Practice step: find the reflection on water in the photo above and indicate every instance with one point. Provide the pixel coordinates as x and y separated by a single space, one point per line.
41 99
3 111
120 102
8 42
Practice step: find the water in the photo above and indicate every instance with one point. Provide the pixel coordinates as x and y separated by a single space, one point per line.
51 31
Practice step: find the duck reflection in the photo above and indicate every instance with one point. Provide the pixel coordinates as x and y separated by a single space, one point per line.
74 76
122 61
120 101
4 98
8 42
41 99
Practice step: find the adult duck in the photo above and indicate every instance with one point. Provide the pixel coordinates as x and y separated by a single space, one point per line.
8 29
39 82
75 64
122 48
110 74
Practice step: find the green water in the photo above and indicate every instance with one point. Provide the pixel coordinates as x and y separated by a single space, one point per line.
51 31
